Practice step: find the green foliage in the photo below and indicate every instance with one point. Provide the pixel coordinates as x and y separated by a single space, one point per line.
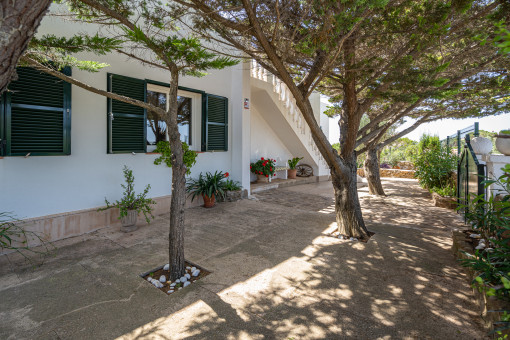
231 185
428 142
264 167
208 185
294 161
502 40
403 149
448 191
504 132
491 219
435 167
14 236
131 201
189 157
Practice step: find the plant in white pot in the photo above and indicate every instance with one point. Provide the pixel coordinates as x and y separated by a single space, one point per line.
503 142
291 172
264 168
131 204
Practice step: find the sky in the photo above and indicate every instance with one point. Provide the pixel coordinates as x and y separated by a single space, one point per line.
442 128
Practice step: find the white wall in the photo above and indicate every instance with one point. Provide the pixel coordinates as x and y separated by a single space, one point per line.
43 185
265 142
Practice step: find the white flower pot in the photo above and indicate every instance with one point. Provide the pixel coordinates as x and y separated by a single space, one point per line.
503 145
129 222
481 145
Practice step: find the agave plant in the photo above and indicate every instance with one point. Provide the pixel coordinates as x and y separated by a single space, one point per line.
207 185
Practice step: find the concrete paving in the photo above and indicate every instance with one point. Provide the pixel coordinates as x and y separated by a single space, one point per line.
276 274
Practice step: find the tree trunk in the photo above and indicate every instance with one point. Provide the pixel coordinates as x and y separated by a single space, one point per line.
178 200
19 20
372 172
347 207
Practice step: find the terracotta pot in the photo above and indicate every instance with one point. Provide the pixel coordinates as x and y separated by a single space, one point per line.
209 202
503 144
129 221
291 173
263 179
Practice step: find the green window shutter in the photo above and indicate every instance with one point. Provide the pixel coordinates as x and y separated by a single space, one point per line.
126 123
215 123
37 114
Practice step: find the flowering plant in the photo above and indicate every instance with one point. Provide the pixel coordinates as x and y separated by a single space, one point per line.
264 167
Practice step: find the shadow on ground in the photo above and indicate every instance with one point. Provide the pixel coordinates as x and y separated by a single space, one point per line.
276 274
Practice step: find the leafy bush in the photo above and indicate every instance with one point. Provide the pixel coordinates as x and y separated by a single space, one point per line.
491 219
130 200
208 185
403 149
189 157
435 167
231 185
449 191
428 142
294 161
264 167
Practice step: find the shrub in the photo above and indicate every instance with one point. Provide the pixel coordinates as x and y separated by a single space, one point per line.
435 168
231 185
208 185
163 147
130 200
264 167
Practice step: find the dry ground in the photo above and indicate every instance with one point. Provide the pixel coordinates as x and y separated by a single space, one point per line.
275 274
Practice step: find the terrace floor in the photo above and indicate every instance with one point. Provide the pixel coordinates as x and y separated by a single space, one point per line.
275 274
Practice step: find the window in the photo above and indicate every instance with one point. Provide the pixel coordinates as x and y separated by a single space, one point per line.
35 115
187 113
202 117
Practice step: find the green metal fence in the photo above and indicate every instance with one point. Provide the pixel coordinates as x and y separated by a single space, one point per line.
470 174
458 139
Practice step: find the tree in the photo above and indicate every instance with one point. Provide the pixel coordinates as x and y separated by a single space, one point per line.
299 42
144 34
417 59
18 22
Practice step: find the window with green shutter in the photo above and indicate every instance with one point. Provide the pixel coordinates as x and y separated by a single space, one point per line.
126 122
35 115
215 123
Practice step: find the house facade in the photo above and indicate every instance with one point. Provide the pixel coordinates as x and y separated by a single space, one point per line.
63 148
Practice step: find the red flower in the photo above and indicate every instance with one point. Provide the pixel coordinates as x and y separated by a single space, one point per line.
267 175
250 166
226 174
262 158
270 169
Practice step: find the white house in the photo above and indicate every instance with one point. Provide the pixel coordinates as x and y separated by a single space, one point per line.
63 148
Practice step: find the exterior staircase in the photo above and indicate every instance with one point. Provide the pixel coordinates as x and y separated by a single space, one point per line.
291 113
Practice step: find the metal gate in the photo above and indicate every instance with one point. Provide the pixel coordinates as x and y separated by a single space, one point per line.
470 174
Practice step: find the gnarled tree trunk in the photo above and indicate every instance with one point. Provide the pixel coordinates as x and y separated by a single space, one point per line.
372 173
178 200
19 20
347 207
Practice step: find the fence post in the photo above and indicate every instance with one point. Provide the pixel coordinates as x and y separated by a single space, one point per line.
458 142
477 129
448 144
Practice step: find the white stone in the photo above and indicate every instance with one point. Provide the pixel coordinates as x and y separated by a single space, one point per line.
481 145
480 246
183 279
193 269
162 278
188 268
187 276
149 279
173 284
482 240
186 284
196 272
179 288
170 291
475 235
177 281
166 267
157 284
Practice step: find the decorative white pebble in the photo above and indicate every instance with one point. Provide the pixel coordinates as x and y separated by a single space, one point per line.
186 284
162 279
178 281
196 272
193 269
170 291
188 268
183 279
480 246
166 267
149 279
187 276
173 284
475 235
179 288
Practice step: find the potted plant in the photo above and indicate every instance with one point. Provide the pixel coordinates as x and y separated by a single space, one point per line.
130 205
209 187
233 191
265 169
503 142
291 172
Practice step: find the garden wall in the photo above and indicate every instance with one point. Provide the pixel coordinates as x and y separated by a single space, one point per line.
394 173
